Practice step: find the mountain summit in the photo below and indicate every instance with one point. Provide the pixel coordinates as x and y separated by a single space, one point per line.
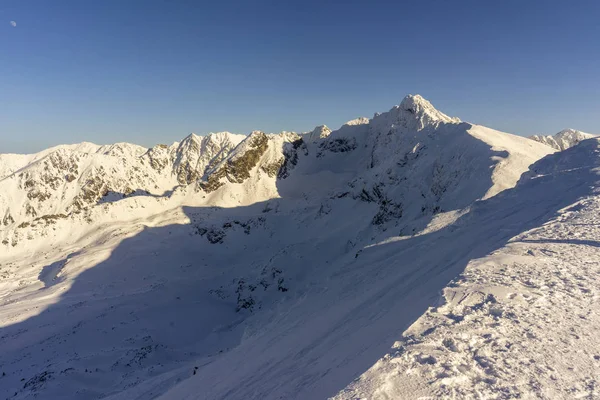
424 111
292 262
439 158
564 139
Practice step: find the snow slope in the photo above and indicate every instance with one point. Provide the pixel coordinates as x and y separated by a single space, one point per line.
500 292
564 139
520 321
285 266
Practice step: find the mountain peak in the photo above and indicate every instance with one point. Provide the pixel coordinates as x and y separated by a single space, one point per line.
196 141
570 132
564 139
424 110
191 137
320 132
358 121
225 137
412 115
413 101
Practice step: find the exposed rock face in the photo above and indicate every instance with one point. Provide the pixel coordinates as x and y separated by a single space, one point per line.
8 219
158 157
236 169
193 156
564 139
291 151
339 145
196 154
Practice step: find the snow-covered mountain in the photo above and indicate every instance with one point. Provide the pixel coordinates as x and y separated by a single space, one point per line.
564 139
320 132
286 265
68 182
519 321
437 157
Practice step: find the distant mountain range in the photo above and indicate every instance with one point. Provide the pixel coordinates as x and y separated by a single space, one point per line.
68 181
407 255
564 139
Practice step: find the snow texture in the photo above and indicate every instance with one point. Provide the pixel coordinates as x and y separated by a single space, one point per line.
407 256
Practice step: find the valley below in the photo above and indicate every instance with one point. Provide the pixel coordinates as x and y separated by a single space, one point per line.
407 256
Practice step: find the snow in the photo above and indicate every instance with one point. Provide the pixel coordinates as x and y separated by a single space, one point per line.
10 163
425 112
408 255
520 321
320 132
564 139
198 152
509 169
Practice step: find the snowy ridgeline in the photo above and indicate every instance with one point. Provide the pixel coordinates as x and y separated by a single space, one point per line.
410 255
564 139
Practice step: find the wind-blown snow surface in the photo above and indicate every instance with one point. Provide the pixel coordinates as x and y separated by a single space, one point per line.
286 266
521 321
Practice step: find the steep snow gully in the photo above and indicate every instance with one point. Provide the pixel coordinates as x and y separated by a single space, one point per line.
410 256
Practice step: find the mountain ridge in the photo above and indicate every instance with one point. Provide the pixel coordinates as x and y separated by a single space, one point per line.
313 265
226 169
564 139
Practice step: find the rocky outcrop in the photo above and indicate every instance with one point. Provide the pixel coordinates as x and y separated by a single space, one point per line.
291 151
236 169
189 159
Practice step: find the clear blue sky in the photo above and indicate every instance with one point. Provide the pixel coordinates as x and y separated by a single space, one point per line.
151 71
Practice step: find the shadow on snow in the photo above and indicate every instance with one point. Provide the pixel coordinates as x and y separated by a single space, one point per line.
248 312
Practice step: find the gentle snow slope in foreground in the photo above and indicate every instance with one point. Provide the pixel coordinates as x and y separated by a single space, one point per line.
330 246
